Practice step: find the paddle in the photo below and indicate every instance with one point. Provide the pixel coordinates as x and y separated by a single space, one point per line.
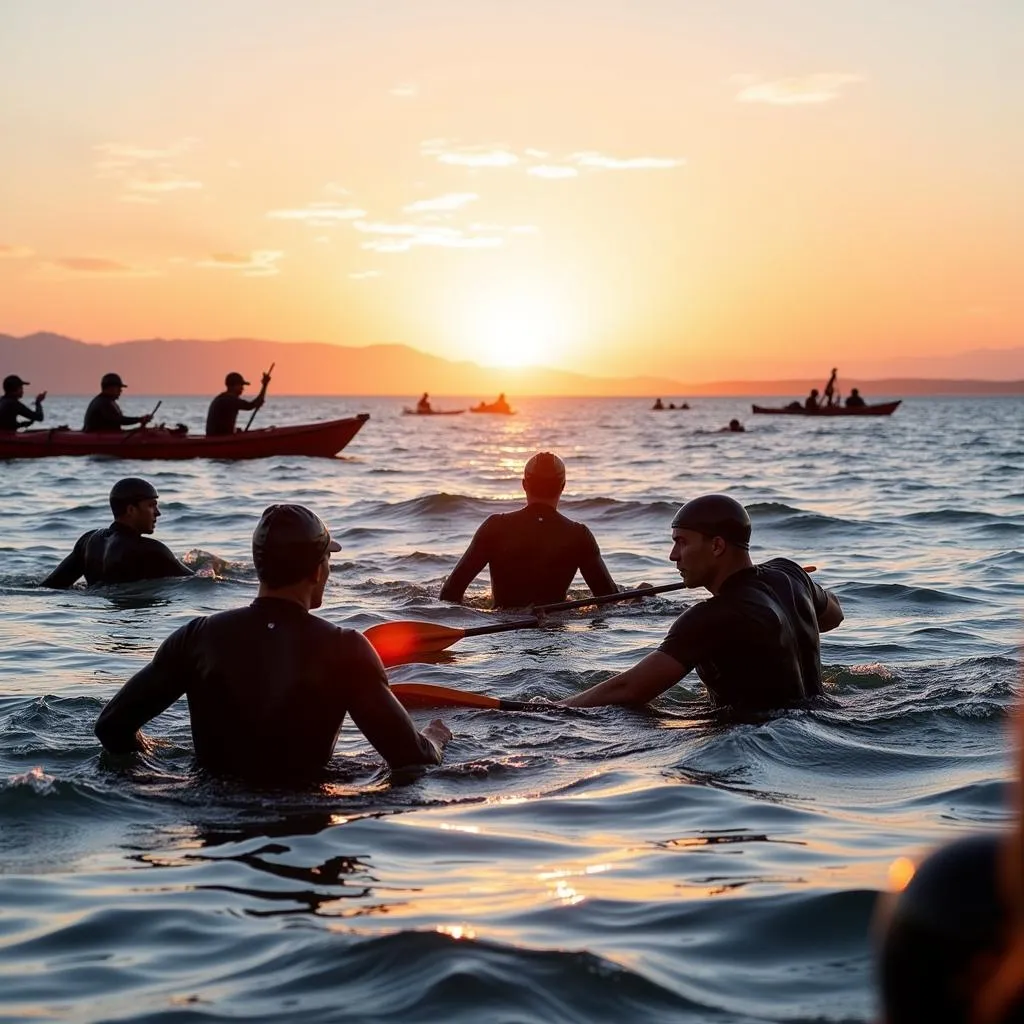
141 426
396 642
426 695
263 391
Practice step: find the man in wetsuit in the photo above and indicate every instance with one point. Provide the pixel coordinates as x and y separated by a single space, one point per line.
11 405
103 415
120 553
754 643
268 686
533 553
220 419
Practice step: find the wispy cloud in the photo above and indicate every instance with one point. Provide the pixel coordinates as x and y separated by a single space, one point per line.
446 152
553 171
320 215
14 252
258 263
450 201
92 266
143 171
599 161
404 237
819 88
405 90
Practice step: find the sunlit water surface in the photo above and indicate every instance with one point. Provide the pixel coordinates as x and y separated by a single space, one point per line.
603 865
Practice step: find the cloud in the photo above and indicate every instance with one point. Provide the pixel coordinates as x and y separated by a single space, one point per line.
405 90
321 215
450 201
364 275
552 171
404 237
819 88
14 252
258 263
446 152
633 163
145 171
162 183
92 266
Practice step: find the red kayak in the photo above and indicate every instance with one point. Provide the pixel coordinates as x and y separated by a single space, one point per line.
881 409
322 439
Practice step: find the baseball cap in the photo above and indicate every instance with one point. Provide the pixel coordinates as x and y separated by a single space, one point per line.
545 466
111 380
288 542
13 382
234 378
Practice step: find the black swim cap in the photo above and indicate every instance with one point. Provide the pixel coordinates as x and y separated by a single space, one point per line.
545 466
288 542
935 929
715 515
131 490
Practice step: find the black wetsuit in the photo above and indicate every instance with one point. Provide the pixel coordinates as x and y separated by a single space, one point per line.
11 408
855 402
533 555
220 419
268 688
755 645
104 416
116 554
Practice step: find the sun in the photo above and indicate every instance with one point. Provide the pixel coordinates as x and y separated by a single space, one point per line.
516 329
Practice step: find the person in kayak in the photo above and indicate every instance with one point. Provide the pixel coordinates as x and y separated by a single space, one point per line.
830 397
811 403
224 409
269 685
533 553
423 405
12 406
120 553
103 415
854 400
754 643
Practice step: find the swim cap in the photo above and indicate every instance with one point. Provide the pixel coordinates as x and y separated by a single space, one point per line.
715 515
131 490
288 542
112 380
935 929
545 466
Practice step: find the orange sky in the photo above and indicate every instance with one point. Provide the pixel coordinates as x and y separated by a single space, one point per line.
696 190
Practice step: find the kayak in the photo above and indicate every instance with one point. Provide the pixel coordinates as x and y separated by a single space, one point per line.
318 439
433 412
492 409
879 409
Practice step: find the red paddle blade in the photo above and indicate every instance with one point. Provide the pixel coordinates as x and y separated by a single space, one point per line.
398 642
426 695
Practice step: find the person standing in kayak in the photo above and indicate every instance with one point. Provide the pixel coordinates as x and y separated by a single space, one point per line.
269 685
121 553
535 552
12 406
754 643
224 409
103 415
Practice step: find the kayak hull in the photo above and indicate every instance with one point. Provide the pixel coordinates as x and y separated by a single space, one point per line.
315 439
433 412
880 409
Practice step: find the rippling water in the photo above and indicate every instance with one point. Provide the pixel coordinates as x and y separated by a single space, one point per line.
600 865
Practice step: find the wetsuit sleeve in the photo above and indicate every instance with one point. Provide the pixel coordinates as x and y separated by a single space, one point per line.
161 561
592 566
819 595
72 568
469 566
250 403
33 415
149 692
376 711
693 636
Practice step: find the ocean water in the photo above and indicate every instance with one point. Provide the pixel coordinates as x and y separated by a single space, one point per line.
599 865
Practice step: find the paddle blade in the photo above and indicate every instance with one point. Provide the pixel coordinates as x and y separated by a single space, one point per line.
426 695
398 642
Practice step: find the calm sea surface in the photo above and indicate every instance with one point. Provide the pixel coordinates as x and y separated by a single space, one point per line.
603 865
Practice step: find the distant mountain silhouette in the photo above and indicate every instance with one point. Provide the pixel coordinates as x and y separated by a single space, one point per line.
188 367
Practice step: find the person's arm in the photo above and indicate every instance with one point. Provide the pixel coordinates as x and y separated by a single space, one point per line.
592 566
468 567
637 685
151 691
33 415
378 715
161 561
832 614
71 569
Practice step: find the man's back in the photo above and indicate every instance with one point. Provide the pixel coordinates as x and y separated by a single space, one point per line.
11 409
223 413
756 644
268 688
103 415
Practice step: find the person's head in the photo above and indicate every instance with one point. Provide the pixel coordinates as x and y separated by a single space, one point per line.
735 425
134 502
111 384
854 392
235 383
291 549
544 478
814 392
710 540
14 386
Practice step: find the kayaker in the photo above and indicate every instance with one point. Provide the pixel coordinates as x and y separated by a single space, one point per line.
535 552
423 405
811 403
223 411
269 685
104 416
828 398
658 404
754 643
854 400
11 405
120 553
735 427
501 404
